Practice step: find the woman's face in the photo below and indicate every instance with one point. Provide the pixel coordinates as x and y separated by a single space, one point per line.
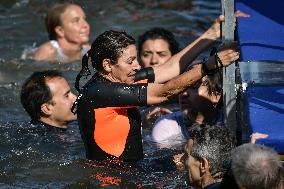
127 65
155 52
75 29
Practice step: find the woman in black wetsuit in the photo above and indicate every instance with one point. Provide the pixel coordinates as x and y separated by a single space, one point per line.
107 112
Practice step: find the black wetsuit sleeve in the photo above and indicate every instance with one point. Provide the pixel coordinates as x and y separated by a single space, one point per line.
145 73
101 95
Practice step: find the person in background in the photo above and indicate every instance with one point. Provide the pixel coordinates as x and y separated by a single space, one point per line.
107 111
257 167
156 46
47 98
200 103
208 155
68 32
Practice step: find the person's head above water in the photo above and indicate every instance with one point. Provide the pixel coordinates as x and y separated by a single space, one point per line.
256 166
208 154
113 54
156 46
68 32
47 98
62 18
201 101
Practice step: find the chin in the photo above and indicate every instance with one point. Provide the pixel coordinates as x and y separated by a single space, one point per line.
84 40
129 81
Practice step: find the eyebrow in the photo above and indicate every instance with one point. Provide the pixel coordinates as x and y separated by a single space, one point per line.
155 51
67 92
131 58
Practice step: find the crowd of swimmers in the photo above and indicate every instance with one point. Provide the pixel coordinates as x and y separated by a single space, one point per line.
126 80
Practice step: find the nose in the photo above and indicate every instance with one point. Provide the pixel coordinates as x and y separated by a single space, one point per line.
73 97
154 59
137 66
85 24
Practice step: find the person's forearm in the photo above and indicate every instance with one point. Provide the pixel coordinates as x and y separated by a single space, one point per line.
178 63
157 93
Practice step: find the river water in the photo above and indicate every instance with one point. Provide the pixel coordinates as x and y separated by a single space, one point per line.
40 160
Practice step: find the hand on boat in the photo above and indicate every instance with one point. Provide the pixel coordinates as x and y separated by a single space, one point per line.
214 32
227 54
256 136
239 13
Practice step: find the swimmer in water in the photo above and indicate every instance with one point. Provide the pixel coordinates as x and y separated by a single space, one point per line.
47 98
107 105
155 47
68 32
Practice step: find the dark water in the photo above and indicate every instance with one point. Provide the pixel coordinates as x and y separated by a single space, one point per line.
39 160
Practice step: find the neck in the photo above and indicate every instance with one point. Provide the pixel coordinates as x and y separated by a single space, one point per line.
109 77
207 179
53 123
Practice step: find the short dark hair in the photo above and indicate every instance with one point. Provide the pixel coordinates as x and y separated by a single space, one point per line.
109 45
35 92
214 82
214 143
159 33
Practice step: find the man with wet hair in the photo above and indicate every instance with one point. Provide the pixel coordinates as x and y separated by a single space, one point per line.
257 167
208 155
47 98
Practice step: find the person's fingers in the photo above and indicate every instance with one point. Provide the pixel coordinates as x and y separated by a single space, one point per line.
221 18
228 56
256 136
239 13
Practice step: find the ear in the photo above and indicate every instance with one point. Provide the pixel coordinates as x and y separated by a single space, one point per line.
59 31
204 165
45 108
107 65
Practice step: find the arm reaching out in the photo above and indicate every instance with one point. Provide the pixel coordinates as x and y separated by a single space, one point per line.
178 63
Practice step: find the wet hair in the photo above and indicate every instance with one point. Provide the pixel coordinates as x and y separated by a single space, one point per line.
36 92
108 45
214 143
53 18
256 167
214 82
159 33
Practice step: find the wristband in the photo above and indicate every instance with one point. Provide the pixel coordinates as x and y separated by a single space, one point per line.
218 61
145 73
